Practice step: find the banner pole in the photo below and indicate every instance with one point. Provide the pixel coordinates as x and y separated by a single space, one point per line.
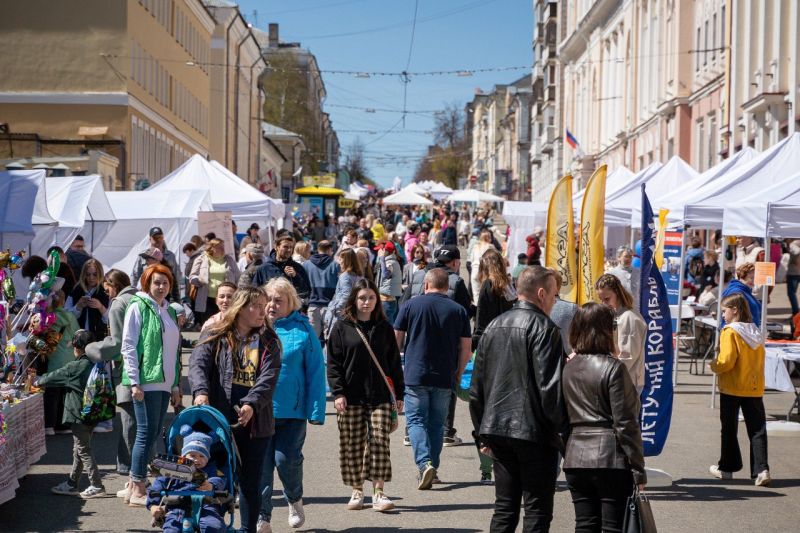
678 323
719 318
765 291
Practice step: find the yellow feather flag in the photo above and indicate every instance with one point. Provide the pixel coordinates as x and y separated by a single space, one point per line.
591 249
560 250
658 257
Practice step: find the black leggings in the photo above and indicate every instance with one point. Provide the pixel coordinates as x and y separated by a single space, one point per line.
599 496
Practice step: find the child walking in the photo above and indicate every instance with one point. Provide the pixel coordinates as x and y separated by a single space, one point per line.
740 366
73 377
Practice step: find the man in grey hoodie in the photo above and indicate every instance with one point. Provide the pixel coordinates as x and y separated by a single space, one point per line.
323 273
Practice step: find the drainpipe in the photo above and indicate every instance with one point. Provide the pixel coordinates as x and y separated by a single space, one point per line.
225 63
236 105
250 122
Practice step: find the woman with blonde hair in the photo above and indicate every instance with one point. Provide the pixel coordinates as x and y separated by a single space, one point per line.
630 326
234 368
351 272
209 271
299 397
302 251
88 300
483 244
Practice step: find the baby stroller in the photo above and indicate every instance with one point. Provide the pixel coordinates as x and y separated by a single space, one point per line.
204 419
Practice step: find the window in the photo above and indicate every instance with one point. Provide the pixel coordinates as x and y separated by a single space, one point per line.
714 44
696 50
712 140
705 45
699 143
722 29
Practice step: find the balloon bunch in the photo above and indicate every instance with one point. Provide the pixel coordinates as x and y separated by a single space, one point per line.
12 261
40 295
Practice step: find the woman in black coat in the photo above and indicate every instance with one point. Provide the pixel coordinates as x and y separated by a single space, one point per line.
361 396
88 300
496 295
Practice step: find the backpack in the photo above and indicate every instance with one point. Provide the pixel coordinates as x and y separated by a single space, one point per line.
99 397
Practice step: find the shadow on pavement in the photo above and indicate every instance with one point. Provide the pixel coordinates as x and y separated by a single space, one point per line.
707 490
394 530
445 507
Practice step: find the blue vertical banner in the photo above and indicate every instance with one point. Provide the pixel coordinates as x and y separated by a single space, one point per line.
654 308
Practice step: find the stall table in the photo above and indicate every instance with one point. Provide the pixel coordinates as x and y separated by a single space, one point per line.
24 443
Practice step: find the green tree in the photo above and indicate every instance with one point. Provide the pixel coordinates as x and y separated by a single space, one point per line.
448 159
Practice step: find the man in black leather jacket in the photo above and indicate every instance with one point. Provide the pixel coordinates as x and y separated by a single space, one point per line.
517 405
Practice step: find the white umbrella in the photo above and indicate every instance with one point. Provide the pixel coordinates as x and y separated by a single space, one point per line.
474 196
406 197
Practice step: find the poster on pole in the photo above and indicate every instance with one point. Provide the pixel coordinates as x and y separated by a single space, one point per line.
671 269
218 223
765 274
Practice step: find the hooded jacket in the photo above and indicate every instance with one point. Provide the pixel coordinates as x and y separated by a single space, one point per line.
272 268
323 274
300 391
740 363
736 286
73 377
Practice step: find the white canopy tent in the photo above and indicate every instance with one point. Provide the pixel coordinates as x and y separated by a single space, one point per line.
80 205
522 218
175 213
440 191
627 208
620 202
25 221
615 180
675 200
474 196
356 191
772 212
704 208
414 187
406 197
228 191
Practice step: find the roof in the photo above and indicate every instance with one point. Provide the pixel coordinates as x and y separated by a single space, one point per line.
322 191
276 131
219 3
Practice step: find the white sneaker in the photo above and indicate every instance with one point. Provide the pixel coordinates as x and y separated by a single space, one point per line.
721 474
763 479
381 502
297 517
93 492
356 502
65 489
263 526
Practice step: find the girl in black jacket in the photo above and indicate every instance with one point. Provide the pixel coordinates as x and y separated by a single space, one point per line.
361 396
88 301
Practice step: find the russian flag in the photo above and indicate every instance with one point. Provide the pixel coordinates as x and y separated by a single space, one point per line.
571 140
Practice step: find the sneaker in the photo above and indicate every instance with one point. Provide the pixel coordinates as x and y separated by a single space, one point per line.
137 501
263 526
381 502
763 479
406 441
51 431
104 427
297 517
65 489
721 474
452 441
356 502
426 476
486 478
93 492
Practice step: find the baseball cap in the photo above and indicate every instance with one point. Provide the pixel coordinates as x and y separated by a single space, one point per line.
447 253
155 230
152 253
388 246
255 249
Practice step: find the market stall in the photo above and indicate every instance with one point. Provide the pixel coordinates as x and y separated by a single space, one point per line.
80 205
522 218
319 200
22 441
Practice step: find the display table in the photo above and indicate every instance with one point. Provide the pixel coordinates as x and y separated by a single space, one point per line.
24 443
776 370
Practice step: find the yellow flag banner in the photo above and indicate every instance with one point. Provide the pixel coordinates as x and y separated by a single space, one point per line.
591 250
560 249
662 232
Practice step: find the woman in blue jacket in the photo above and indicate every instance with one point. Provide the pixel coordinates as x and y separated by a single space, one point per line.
743 284
299 397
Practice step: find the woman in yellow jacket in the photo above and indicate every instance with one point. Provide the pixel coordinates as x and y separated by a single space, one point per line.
740 366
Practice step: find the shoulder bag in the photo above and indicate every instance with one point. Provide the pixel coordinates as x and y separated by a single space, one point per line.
392 397
638 514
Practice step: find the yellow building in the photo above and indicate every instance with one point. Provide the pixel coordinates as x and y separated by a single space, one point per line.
131 77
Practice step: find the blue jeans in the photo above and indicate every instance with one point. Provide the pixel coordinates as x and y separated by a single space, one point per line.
426 410
149 413
285 452
792 283
390 308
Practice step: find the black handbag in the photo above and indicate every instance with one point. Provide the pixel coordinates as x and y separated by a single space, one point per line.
638 514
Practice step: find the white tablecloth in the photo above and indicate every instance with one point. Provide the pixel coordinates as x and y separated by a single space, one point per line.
776 375
24 443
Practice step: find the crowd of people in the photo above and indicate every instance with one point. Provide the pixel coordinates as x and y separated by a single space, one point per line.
371 310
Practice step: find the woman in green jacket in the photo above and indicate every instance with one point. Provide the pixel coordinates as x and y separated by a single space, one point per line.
151 355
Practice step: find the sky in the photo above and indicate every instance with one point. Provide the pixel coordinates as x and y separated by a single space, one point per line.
376 36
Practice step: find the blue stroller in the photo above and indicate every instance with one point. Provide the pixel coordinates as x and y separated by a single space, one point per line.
204 419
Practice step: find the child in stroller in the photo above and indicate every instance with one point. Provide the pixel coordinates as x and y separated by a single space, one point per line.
171 498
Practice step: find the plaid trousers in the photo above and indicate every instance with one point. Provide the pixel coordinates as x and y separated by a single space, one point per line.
364 443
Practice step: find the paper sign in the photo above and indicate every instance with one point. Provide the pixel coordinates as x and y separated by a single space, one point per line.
765 273
219 223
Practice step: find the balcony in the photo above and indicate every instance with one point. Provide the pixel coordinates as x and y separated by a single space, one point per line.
539 36
547 138
550 93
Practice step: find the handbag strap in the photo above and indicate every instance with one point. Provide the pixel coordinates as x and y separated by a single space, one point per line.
377 364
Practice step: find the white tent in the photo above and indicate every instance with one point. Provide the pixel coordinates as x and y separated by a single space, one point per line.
626 209
675 200
620 202
406 197
522 218
415 187
704 208
440 191
80 205
772 212
228 191
175 213
356 191
615 180
25 221
474 196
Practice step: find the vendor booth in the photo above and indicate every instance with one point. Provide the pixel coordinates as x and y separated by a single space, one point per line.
522 218
80 205
25 221
320 201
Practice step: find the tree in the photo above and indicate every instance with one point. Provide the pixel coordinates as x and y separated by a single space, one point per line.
448 159
355 165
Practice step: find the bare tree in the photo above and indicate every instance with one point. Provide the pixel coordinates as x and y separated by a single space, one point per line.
448 159
355 164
